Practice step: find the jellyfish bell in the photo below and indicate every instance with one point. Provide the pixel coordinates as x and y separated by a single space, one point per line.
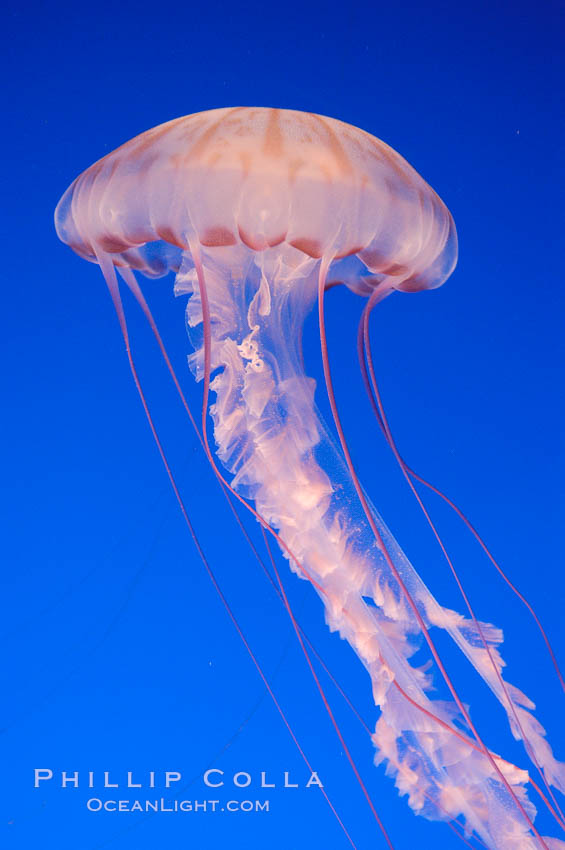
261 178
258 211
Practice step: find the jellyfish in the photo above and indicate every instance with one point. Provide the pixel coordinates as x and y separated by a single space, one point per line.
258 212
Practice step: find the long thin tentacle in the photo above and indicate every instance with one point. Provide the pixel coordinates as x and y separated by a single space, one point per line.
195 251
383 423
365 352
378 537
109 273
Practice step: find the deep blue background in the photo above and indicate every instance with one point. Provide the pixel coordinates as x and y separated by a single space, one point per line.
118 654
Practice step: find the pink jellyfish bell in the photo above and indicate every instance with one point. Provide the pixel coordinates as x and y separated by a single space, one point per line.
258 211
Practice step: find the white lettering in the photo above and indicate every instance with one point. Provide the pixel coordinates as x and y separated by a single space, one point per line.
41 775
65 779
264 783
288 784
314 780
207 778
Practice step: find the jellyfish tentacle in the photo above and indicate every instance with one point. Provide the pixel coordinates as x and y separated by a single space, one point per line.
129 277
109 272
435 614
132 283
270 436
454 825
202 364
441 494
134 287
523 724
